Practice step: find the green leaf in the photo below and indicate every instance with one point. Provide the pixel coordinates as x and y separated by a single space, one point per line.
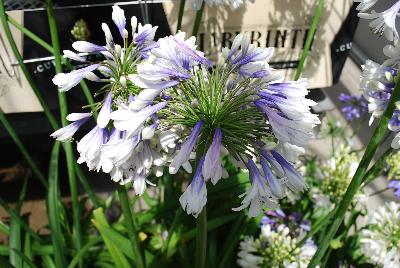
211 225
84 250
25 259
113 247
53 208
4 228
231 241
28 246
42 249
4 263
4 250
48 262
15 240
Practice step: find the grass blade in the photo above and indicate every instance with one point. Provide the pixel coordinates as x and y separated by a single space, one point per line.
25 259
310 38
63 113
79 256
53 211
114 248
28 246
15 240
4 228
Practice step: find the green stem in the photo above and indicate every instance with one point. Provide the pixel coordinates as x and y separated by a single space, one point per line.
130 225
309 40
23 150
180 16
86 186
358 176
48 114
197 20
63 113
201 239
376 169
321 222
201 221
31 35
171 231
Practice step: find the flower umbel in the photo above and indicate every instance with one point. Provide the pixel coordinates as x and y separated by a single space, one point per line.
276 247
234 110
124 141
380 240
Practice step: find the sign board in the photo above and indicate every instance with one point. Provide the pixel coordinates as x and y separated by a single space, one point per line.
282 24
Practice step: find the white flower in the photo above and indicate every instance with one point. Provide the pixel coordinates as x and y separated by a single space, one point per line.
66 133
384 22
275 248
380 239
126 119
246 256
195 196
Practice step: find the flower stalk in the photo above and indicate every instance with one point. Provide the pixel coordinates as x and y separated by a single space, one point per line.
130 225
309 40
180 15
358 178
63 113
197 20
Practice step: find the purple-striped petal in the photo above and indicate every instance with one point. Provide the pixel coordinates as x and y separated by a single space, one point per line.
195 196
104 114
84 46
184 154
66 133
118 16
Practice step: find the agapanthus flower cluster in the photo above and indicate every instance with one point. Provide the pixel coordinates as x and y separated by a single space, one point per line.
233 4
126 149
333 177
166 105
275 248
354 106
378 81
236 111
380 240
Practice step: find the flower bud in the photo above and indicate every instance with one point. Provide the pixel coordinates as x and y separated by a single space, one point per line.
109 38
125 32
133 24
122 81
148 132
118 51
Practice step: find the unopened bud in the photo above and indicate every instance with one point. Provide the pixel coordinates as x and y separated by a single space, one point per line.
133 24
118 51
92 77
122 81
109 38
148 132
125 32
